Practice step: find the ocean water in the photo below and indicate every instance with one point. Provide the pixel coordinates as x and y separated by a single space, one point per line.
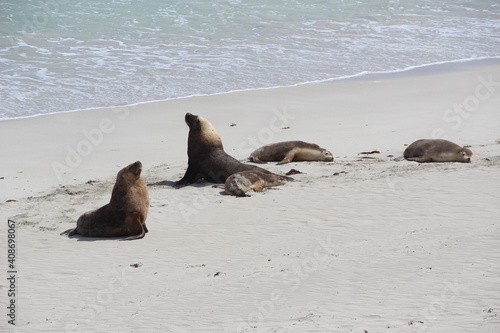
64 55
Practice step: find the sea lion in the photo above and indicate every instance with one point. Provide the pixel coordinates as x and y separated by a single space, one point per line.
206 156
240 183
126 212
436 150
288 151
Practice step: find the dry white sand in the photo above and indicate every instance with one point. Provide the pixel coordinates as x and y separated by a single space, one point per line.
355 245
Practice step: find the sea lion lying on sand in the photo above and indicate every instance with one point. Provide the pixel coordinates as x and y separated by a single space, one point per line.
437 150
288 151
240 183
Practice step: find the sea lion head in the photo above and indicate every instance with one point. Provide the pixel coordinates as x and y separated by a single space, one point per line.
201 132
327 155
465 155
131 172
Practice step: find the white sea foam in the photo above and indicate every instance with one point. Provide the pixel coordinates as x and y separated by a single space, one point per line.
97 54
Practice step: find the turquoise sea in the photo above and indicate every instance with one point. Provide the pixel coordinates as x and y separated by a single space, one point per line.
64 55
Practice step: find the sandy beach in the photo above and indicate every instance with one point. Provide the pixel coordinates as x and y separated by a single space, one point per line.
366 243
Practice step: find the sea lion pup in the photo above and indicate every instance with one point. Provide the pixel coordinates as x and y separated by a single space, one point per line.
288 151
206 156
126 212
436 150
240 183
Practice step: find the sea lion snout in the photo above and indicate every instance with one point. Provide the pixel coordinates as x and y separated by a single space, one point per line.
467 155
190 117
192 120
328 155
136 168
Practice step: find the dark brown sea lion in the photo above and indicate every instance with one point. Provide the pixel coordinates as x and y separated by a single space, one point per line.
126 212
206 156
288 151
437 150
240 183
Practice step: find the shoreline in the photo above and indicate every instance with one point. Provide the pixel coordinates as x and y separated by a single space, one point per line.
425 69
363 243
67 148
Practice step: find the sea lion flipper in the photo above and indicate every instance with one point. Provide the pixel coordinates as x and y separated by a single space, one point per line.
256 159
288 157
259 187
190 177
419 159
141 235
135 224
186 180
69 232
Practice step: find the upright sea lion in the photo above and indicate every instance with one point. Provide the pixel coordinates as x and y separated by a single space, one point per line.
436 150
240 183
126 212
206 156
288 151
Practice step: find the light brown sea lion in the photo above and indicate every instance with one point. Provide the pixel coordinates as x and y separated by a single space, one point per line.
126 212
240 183
206 156
437 150
288 151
